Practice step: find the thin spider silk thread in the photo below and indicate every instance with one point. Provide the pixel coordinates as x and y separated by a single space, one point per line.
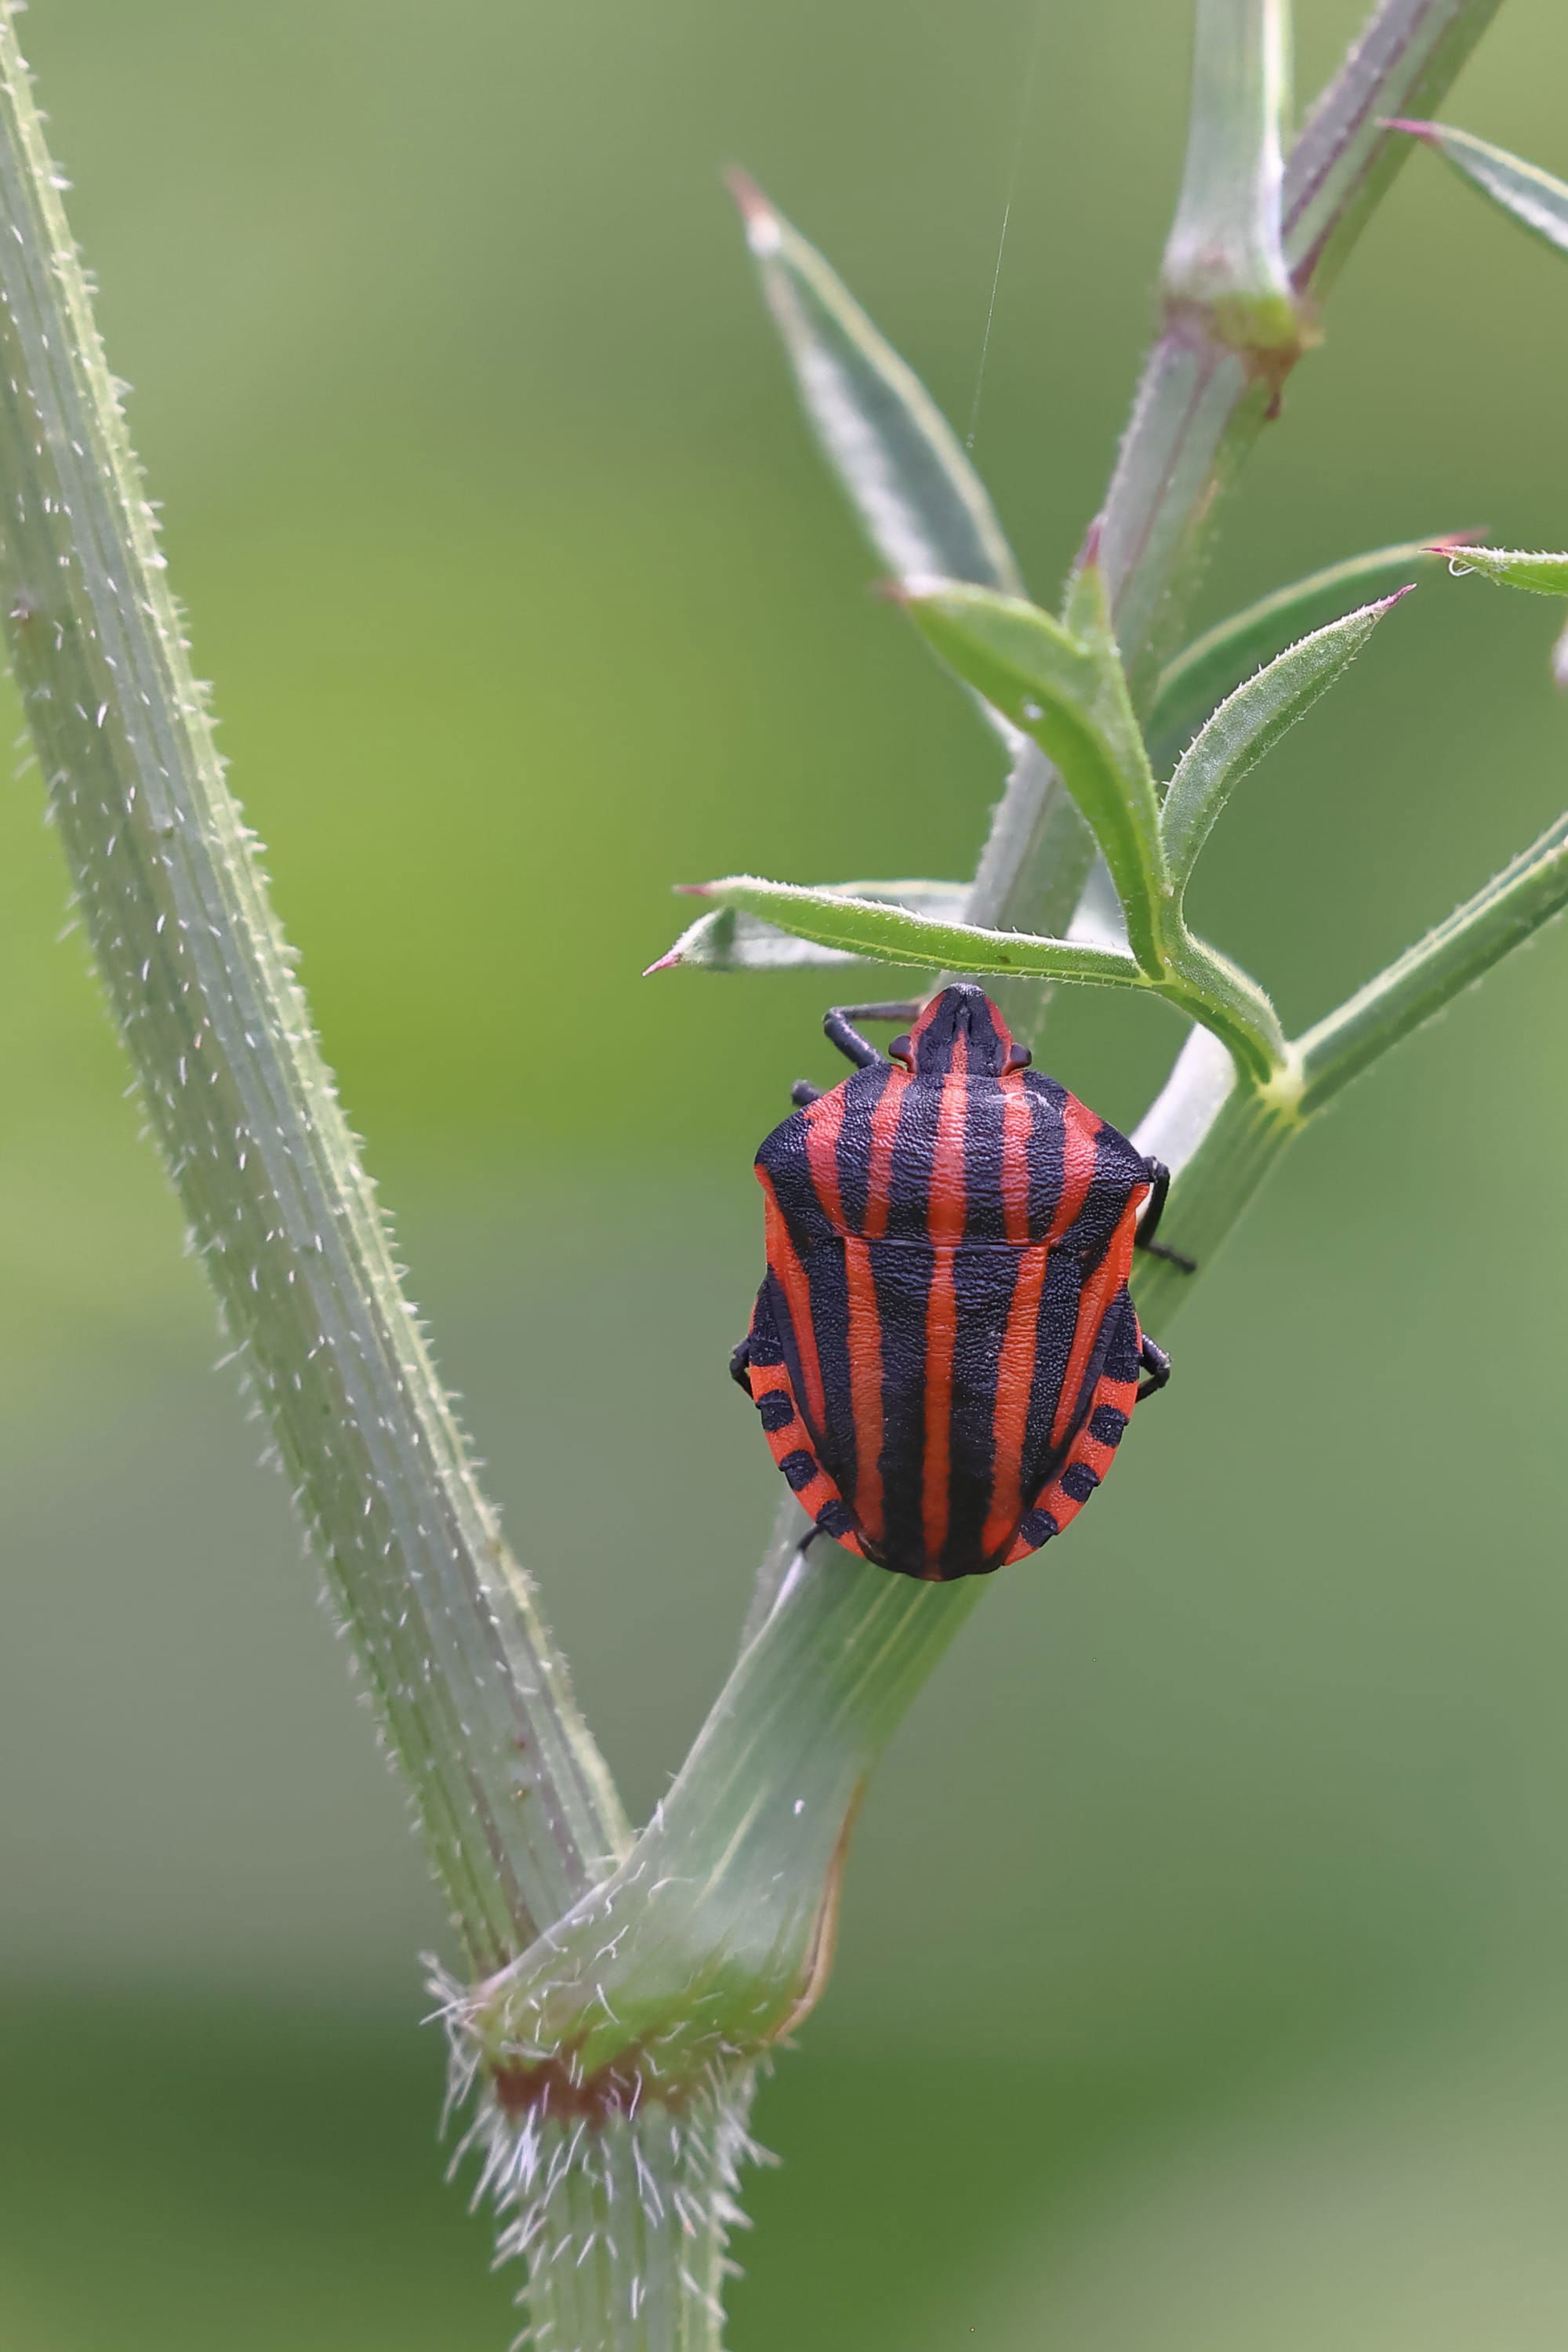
1026 96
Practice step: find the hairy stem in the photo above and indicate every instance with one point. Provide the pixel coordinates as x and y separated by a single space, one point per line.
623 2220
638 2021
516 1807
1201 404
1345 159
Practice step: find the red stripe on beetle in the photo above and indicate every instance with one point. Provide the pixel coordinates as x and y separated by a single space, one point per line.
1081 1140
1014 1383
947 1205
879 1164
864 1384
824 1119
784 1261
1094 1304
1018 1125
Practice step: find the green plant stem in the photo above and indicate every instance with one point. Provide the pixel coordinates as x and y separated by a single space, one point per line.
1346 159
1201 405
1223 261
517 1808
713 1934
1499 918
1245 1138
671 1981
1198 408
625 2235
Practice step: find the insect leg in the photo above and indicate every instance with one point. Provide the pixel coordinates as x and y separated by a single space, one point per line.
804 1092
739 1358
1154 1209
836 1026
1156 1366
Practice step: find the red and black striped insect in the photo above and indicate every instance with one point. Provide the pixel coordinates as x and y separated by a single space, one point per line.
944 1353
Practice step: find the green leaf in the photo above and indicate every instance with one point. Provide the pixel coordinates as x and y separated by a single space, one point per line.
1069 694
729 941
889 934
920 503
1203 983
1545 574
1249 723
1537 201
1225 258
1499 918
1215 663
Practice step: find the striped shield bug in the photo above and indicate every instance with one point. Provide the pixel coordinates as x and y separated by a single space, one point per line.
944 1352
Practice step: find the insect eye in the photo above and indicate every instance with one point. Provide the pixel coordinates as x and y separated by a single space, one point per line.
1019 1058
902 1051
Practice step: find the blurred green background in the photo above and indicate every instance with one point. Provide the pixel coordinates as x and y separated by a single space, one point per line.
1202 1984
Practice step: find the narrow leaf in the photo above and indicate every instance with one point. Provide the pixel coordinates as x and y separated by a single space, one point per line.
889 934
1248 724
1204 984
1537 201
1544 574
729 941
1225 258
920 501
1215 663
1070 696
1478 934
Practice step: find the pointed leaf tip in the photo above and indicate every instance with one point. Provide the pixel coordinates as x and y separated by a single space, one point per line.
1215 664
693 889
761 224
666 964
1530 196
920 502
1428 130
1250 721
1089 553
1541 571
